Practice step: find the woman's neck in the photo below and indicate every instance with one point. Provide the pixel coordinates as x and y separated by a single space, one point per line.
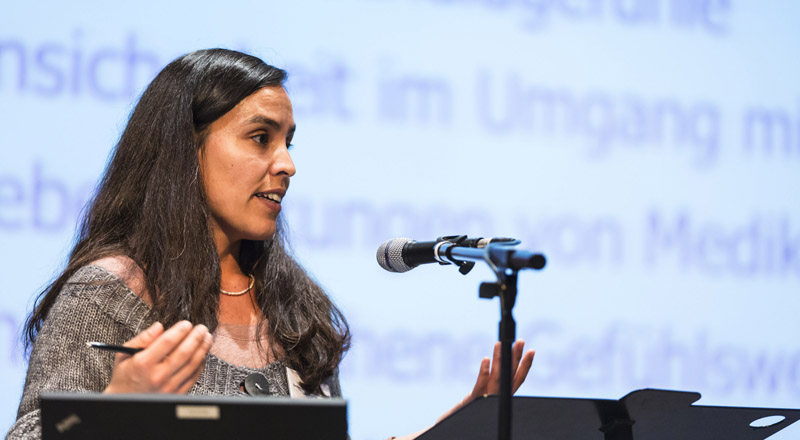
229 267
228 253
241 309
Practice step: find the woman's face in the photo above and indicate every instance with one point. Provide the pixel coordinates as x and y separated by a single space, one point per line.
246 166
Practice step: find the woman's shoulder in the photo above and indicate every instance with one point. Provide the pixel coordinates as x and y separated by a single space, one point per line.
118 269
95 298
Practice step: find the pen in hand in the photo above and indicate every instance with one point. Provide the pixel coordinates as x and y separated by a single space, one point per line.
114 348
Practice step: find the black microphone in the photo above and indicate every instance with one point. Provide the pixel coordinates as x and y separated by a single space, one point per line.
404 254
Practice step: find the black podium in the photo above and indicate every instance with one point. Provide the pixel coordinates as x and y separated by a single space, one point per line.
641 415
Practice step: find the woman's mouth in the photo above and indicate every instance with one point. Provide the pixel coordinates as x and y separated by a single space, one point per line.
270 196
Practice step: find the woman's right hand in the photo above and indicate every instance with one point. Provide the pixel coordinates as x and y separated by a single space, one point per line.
171 361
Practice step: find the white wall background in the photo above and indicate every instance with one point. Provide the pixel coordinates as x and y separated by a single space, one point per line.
651 148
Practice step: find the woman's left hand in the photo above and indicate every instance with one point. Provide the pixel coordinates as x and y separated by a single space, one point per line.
488 381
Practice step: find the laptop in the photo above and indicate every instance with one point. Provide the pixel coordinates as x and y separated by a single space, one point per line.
168 416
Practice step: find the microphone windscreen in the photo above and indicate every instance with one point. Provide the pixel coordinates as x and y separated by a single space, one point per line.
390 255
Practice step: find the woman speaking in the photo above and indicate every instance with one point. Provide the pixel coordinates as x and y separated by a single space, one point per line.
180 254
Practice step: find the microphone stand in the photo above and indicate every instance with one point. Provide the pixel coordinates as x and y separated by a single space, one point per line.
506 264
506 289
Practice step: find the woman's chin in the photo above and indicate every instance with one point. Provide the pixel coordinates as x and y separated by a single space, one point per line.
262 235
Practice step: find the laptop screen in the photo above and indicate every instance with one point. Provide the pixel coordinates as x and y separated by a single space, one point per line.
154 416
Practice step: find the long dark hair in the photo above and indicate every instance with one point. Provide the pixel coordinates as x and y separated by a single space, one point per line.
150 206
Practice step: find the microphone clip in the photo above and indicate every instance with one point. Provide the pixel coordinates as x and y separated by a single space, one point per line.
464 267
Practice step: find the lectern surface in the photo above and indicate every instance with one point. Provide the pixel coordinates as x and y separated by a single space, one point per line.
640 415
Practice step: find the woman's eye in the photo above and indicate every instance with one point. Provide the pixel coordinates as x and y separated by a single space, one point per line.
289 146
261 138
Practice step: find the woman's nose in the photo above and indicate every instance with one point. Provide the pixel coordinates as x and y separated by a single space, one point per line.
282 163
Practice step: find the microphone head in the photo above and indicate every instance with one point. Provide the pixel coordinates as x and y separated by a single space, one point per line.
390 255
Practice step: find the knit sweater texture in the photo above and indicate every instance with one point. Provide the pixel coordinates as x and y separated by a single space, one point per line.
95 305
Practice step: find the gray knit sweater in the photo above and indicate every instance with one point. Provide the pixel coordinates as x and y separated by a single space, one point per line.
95 305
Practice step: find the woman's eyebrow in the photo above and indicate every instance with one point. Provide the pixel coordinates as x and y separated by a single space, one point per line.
260 119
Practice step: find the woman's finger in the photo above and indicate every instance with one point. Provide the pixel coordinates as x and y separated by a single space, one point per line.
183 353
187 384
166 342
142 340
494 376
184 379
482 383
516 355
146 337
523 369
